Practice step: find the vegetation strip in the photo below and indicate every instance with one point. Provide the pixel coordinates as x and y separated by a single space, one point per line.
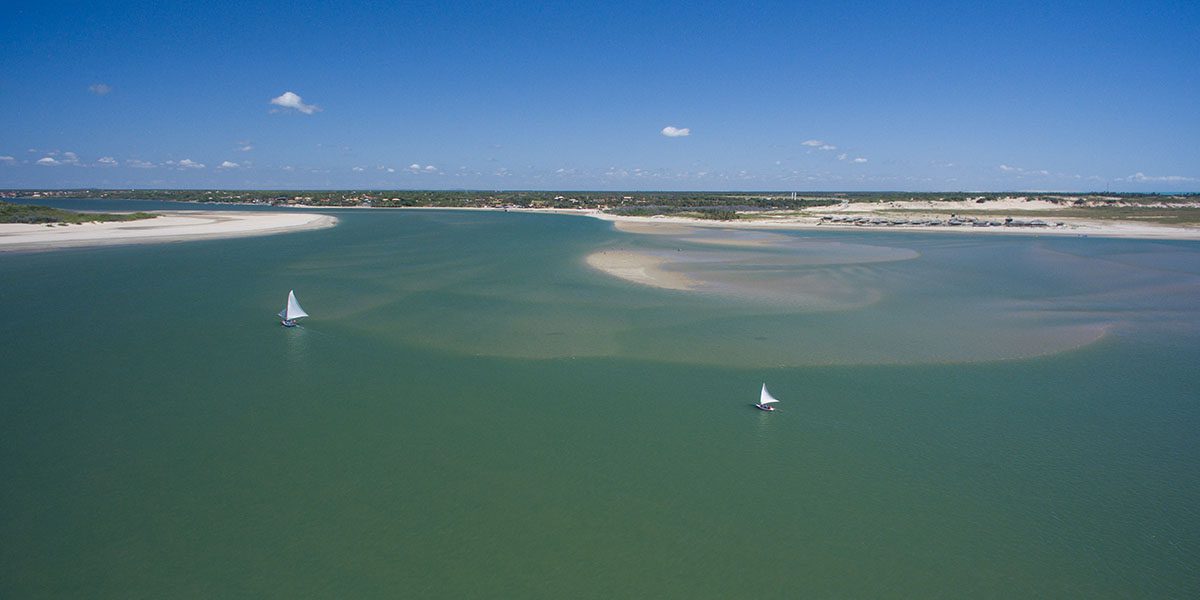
35 215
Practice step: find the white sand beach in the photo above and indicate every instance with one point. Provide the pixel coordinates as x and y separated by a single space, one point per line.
1070 226
811 218
169 226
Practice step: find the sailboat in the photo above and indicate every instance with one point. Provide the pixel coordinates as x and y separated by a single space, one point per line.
292 311
765 400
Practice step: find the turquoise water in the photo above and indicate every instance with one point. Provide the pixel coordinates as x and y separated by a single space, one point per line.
472 411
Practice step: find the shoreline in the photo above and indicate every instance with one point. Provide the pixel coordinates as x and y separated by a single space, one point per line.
1071 226
811 220
168 226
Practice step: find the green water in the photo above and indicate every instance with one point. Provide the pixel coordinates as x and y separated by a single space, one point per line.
471 411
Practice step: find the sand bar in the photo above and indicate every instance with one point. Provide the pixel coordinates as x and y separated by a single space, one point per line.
1071 226
639 267
169 226
810 218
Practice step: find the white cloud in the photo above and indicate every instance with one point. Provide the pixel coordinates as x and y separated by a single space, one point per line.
186 163
1023 171
7 160
139 164
429 169
64 158
99 89
843 156
827 147
417 168
391 170
670 131
1144 178
293 101
358 169
860 160
106 161
288 168
228 165
813 143
245 146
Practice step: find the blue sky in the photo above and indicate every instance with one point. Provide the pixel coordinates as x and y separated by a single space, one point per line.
765 96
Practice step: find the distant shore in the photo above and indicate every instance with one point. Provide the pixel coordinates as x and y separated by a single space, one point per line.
185 225
170 226
821 219
1105 214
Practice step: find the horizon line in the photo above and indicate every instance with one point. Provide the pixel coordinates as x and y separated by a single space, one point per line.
594 191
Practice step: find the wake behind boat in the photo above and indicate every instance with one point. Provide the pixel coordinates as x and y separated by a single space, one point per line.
765 400
291 311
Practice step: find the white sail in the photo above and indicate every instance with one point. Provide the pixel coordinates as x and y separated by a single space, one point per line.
292 310
766 397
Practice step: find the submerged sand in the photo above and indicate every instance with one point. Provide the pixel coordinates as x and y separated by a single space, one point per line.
169 226
870 304
639 267
791 274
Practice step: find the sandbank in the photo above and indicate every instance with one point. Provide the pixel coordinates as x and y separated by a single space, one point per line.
639 267
811 219
711 235
169 226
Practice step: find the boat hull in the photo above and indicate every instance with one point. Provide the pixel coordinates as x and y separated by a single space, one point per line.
287 323
765 407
